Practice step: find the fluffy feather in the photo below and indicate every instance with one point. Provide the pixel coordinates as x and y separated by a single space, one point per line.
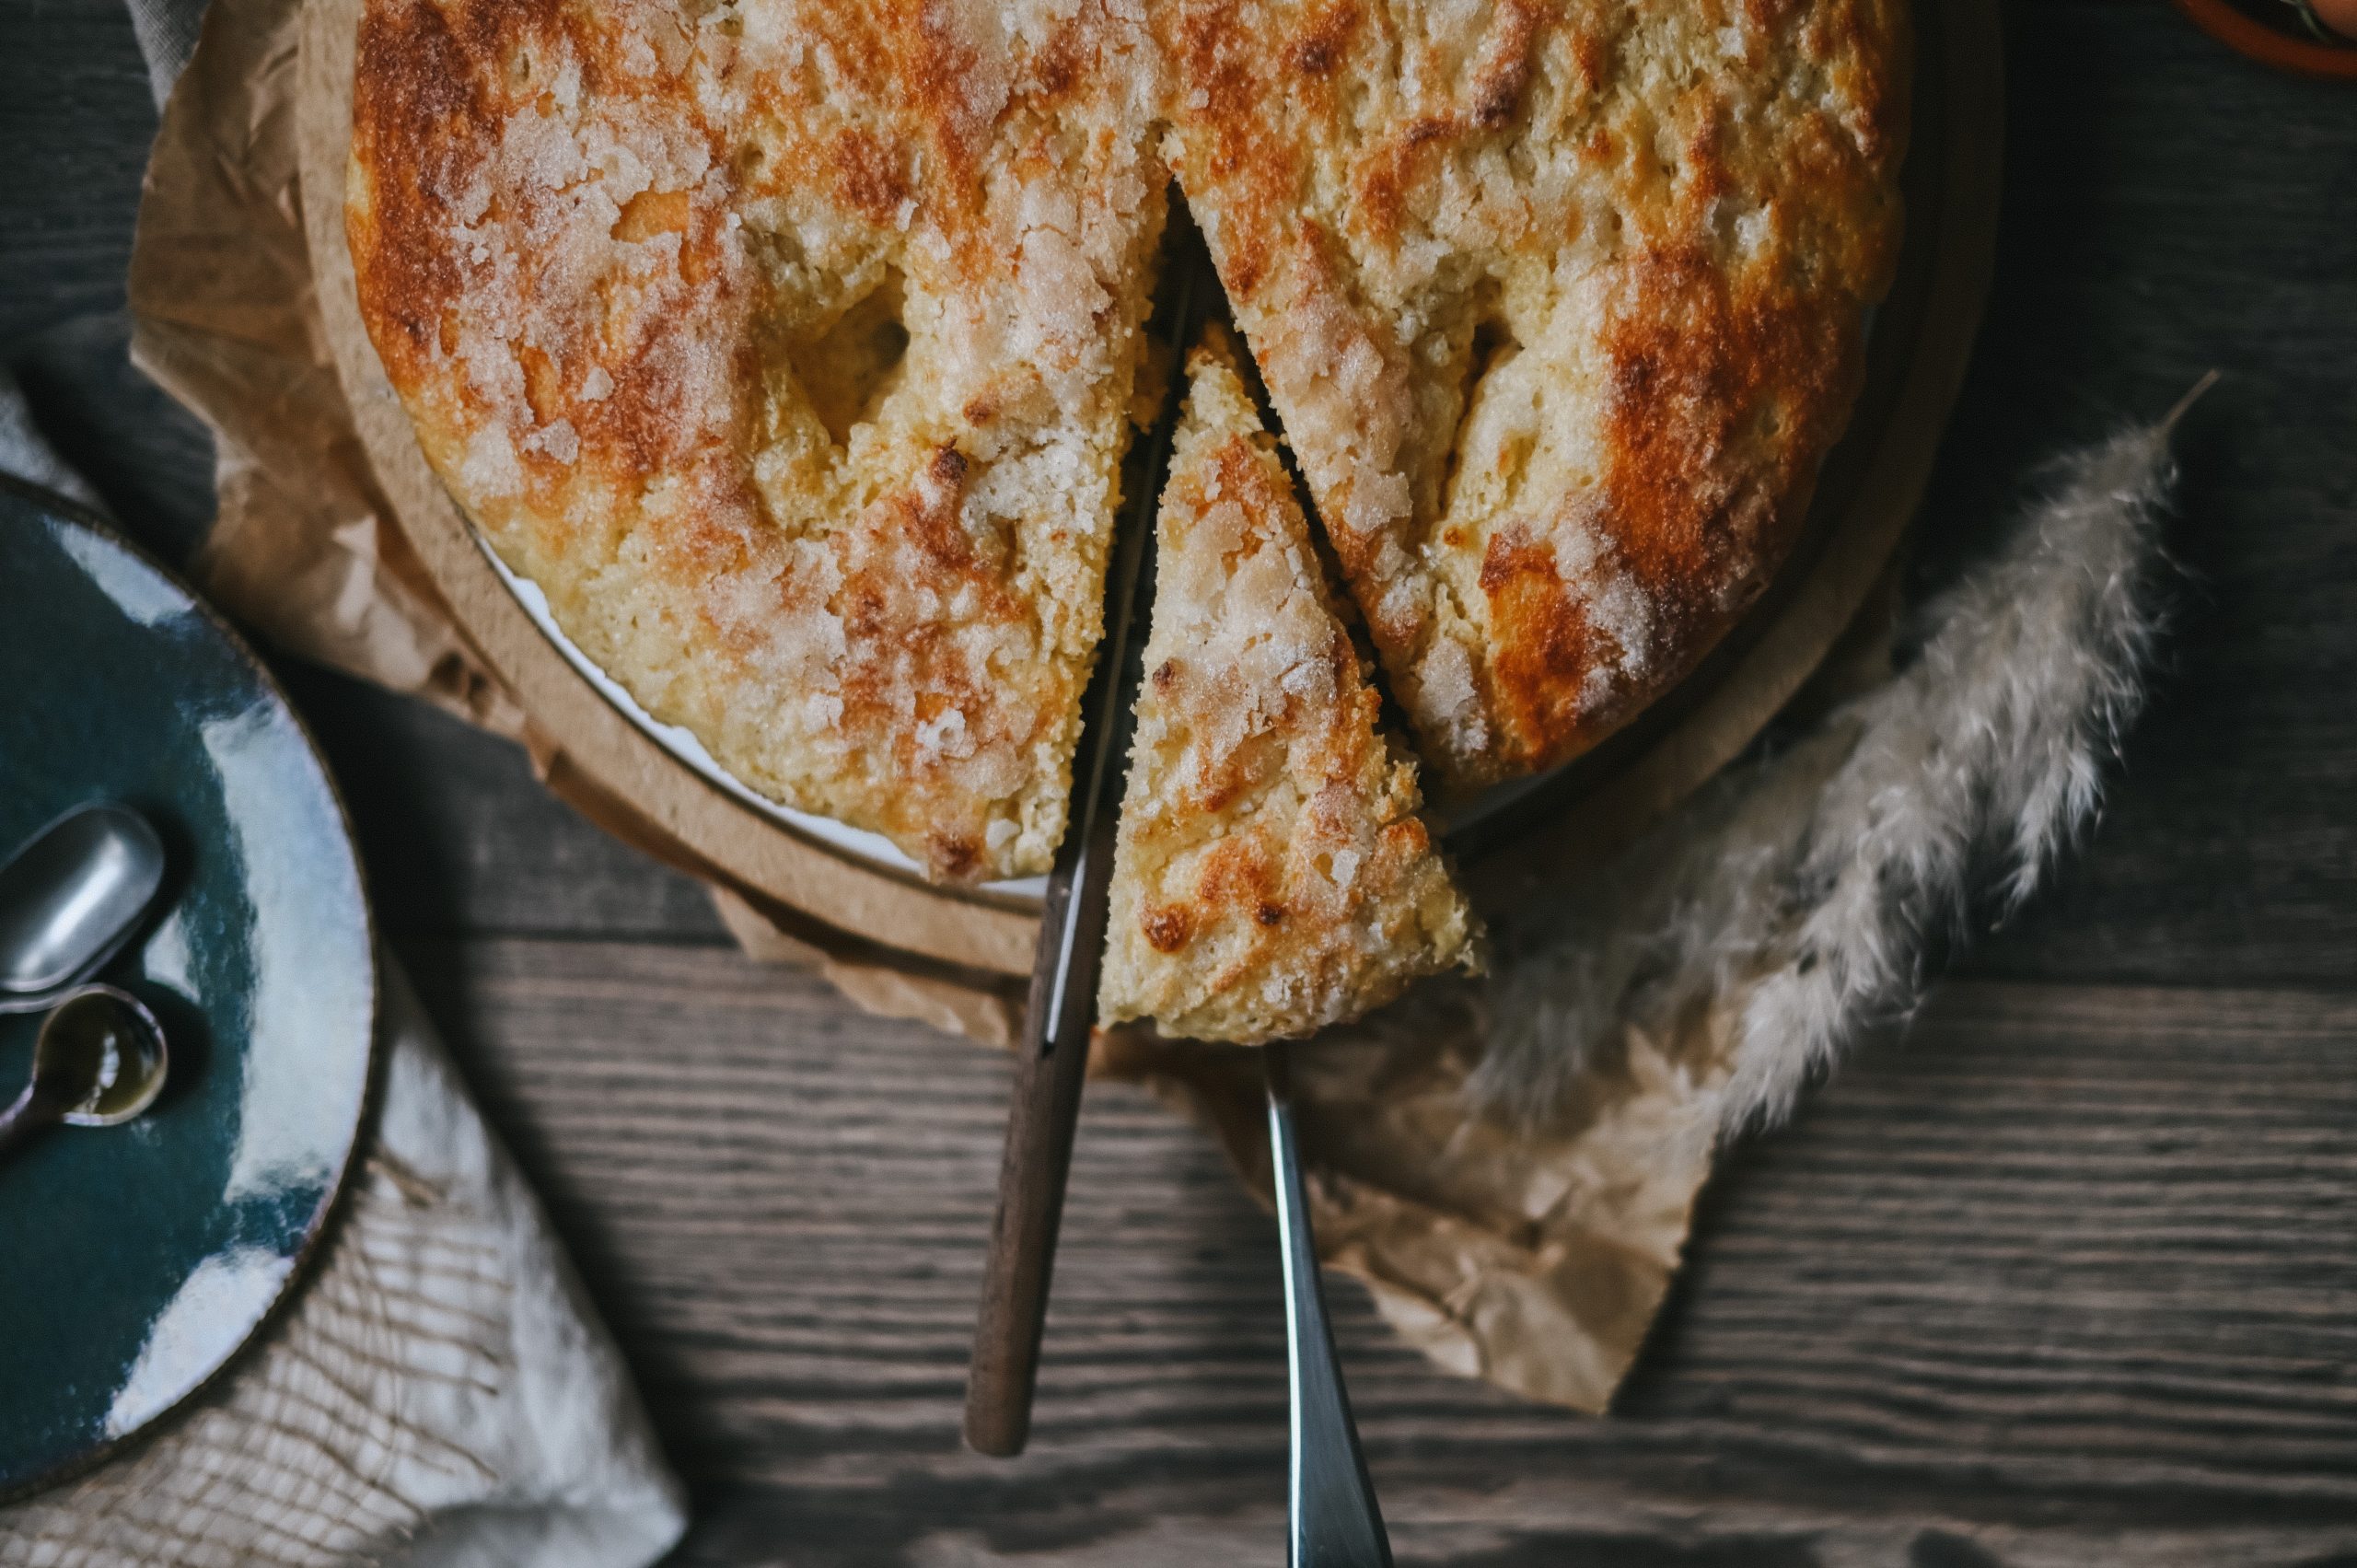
1794 898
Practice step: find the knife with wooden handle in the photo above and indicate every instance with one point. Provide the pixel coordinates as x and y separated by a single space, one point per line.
1052 1057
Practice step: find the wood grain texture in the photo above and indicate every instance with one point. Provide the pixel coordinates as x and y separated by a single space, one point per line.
2063 1276
144 455
2171 207
458 837
75 115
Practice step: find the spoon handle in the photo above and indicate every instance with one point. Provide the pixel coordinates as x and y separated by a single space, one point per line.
34 1112
1335 1522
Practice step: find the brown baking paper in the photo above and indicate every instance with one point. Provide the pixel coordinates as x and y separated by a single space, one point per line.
1535 1259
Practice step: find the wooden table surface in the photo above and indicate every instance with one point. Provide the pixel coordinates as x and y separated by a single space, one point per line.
2062 1274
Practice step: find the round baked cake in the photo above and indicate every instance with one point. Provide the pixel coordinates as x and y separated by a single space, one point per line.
792 346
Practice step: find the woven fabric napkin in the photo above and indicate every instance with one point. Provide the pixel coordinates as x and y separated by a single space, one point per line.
437 1394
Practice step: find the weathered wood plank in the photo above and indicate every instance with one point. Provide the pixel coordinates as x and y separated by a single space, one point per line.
457 836
1964 1314
148 458
76 115
2066 1273
2170 207
2065 1278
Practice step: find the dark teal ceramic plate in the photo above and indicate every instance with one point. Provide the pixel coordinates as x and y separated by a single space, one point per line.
135 1260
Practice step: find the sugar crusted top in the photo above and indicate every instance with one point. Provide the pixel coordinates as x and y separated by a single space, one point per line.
1561 305
789 346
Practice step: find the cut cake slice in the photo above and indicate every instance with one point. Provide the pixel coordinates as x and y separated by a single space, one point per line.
1272 875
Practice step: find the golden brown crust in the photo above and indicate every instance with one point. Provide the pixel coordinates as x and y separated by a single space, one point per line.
1272 875
1562 304
788 346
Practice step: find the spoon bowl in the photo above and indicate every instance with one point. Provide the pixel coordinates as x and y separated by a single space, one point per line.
111 1035
70 898
99 1061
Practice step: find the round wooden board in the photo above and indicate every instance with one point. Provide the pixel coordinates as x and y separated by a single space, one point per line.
1920 346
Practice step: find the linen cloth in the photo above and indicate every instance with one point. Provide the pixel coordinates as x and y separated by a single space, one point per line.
439 1393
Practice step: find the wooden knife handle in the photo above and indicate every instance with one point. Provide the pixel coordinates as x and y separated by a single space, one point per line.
1041 1117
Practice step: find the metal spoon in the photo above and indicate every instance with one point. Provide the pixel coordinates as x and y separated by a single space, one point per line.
70 898
99 1060
1334 1520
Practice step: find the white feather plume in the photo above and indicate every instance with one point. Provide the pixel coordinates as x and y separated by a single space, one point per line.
1792 898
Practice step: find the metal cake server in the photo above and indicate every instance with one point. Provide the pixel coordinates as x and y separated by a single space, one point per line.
1334 1520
